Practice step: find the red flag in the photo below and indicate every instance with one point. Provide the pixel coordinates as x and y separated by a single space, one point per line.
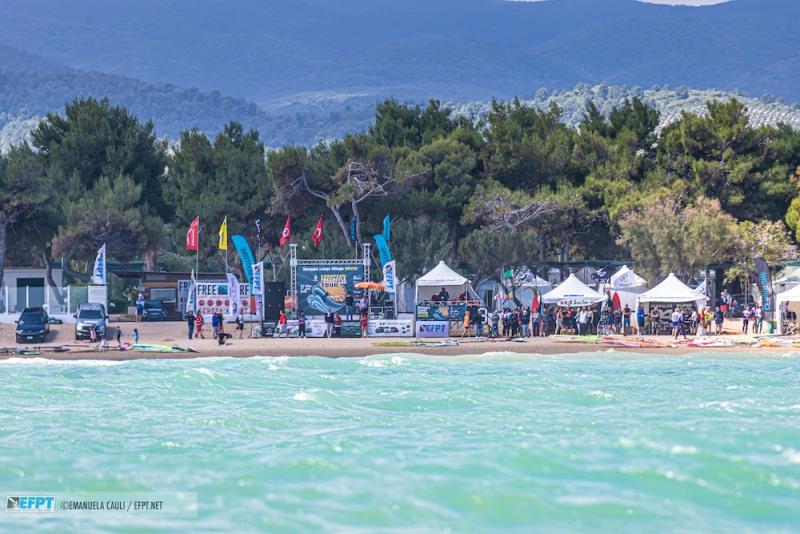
193 235
317 237
286 235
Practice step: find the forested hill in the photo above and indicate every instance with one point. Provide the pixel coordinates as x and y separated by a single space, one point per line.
31 86
310 50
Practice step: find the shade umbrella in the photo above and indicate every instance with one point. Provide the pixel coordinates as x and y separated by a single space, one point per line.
374 286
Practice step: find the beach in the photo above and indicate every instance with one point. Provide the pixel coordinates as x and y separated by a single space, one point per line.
174 334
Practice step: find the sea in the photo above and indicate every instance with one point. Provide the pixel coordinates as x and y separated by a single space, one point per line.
491 443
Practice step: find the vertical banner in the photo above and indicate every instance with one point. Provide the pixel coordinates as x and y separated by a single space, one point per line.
764 281
383 249
99 272
258 279
193 235
234 297
387 228
191 300
389 278
245 255
354 229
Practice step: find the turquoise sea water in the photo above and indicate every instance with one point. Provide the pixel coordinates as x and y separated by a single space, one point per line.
470 444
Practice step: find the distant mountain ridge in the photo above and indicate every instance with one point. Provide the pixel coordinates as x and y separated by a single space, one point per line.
269 50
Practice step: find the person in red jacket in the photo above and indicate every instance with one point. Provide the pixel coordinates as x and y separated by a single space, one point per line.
282 328
364 325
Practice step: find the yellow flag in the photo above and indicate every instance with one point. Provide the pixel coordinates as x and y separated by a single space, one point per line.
223 234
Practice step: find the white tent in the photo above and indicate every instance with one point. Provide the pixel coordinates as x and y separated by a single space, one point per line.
787 301
787 279
442 276
627 285
572 292
673 291
625 278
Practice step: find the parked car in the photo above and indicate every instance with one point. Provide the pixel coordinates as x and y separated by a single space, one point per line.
154 310
33 325
88 316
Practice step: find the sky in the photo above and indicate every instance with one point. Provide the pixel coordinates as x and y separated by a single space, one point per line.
685 2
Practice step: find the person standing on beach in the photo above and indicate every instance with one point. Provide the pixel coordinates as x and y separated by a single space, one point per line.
640 315
525 321
93 333
745 319
240 325
626 320
135 336
328 324
758 319
559 322
190 323
301 325
337 325
215 324
282 328
467 325
139 307
679 324
719 317
494 330
364 325
675 320
119 336
198 326
479 320
348 306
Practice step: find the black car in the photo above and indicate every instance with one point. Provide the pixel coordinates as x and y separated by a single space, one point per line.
33 325
154 311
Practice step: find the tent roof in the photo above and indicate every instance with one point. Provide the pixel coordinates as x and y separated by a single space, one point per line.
441 275
625 278
792 294
788 275
671 290
572 290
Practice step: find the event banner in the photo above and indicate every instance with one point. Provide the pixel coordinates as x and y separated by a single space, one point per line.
457 312
764 281
214 296
317 328
389 277
390 328
323 288
245 255
427 312
433 329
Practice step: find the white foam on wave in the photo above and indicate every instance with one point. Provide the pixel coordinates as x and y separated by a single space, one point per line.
792 456
207 372
48 361
601 395
303 396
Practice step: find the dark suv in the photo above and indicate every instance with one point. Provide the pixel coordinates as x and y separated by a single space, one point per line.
33 325
154 311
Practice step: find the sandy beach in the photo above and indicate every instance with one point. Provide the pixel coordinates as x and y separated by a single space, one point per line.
174 333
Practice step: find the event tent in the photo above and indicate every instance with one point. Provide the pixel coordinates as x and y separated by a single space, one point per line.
442 276
627 285
787 301
673 291
572 292
625 278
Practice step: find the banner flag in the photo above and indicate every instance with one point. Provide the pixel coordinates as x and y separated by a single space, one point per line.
245 255
317 237
234 297
387 228
257 283
223 234
764 281
286 235
193 234
353 229
383 249
191 300
99 272
389 277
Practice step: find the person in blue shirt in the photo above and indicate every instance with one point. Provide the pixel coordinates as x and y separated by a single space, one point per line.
640 315
139 307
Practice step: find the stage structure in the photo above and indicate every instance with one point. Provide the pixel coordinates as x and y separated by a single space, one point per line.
317 286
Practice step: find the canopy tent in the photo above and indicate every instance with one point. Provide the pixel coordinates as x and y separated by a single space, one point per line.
625 278
442 276
627 285
787 278
673 291
786 301
572 292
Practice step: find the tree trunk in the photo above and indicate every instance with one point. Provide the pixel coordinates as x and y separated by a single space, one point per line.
151 260
342 226
3 228
48 276
354 207
541 247
68 270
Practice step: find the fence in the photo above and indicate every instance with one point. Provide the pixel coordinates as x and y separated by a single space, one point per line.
58 301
